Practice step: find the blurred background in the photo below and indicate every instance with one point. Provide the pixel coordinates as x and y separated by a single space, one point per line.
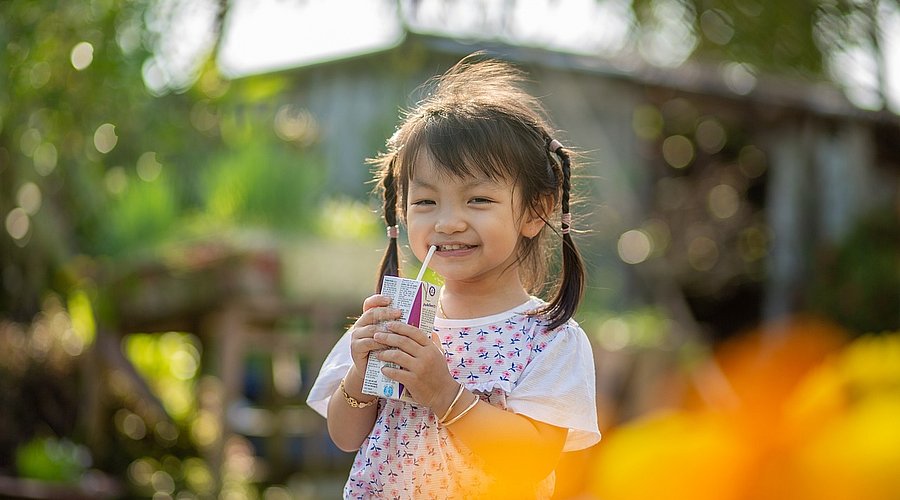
187 228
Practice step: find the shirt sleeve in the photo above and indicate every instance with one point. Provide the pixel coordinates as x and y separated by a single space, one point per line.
333 370
558 387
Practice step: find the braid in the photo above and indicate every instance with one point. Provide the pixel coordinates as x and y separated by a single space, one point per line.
571 288
566 186
390 263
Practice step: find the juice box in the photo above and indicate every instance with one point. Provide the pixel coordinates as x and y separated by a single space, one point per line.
418 300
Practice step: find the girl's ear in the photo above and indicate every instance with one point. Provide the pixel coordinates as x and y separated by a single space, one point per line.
536 217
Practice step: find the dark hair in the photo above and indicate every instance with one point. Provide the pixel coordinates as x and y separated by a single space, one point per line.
476 120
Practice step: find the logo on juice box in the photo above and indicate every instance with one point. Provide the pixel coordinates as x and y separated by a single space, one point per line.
418 301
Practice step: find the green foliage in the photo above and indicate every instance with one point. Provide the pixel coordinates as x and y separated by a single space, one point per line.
793 38
774 37
118 168
49 459
858 282
342 219
170 363
263 185
142 216
101 166
639 328
68 70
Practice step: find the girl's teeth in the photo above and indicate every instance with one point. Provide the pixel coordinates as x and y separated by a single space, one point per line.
449 248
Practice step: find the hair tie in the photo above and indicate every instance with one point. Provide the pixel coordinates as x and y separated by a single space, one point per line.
393 231
566 220
555 146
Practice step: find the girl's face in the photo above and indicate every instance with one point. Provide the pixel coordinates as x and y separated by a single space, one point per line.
475 223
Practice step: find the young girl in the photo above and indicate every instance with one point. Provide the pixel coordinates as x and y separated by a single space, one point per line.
505 383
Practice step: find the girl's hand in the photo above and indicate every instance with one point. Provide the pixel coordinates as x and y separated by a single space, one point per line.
424 367
375 312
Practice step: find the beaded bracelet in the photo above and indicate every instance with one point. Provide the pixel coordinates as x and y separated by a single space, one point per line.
455 399
462 413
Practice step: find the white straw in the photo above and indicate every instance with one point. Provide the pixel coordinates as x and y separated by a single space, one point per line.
425 262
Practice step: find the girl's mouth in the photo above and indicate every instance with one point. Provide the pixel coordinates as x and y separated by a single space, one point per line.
453 247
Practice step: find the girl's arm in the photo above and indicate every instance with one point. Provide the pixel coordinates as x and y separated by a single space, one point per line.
348 426
512 446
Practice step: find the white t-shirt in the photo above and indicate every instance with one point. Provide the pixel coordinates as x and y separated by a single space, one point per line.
510 360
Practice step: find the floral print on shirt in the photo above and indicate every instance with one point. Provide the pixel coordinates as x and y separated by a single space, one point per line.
408 455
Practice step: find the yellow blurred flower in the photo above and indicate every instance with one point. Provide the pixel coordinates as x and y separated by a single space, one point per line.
816 420
673 455
845 423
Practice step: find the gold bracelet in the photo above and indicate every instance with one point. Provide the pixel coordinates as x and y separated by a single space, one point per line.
355 403
462 413
455 399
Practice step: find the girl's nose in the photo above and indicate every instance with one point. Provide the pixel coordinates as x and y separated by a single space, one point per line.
450 221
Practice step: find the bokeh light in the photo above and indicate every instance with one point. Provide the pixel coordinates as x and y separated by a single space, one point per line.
203 116
753 244
678 151
614 334
130 424
170 361
711 135
148 168
105 138
740 78
296 124
717 25
29 141
82 55
634 246
723 201
205 429
45 158
671 40
703 253
18 223
660 235
752 161
40 74
29 198
162 482
647 122
116 180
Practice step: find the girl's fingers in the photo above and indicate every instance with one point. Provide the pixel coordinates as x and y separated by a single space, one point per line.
378 314
397 341
367 331
405 377
366 345
404 360
411 332
376 301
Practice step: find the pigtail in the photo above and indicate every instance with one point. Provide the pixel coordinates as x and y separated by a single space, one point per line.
571 287
390 263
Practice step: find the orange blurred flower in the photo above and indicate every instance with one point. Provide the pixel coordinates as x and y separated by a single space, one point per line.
811 418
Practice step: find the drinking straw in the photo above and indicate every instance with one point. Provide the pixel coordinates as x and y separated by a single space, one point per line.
425 262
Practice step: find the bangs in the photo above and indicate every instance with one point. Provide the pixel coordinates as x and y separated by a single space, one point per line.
463 147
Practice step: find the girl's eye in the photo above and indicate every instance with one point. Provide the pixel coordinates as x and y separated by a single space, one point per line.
481 200
422 202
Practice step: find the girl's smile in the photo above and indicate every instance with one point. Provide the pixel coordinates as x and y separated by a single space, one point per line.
448 250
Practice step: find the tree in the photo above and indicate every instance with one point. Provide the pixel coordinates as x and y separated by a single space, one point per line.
808 39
